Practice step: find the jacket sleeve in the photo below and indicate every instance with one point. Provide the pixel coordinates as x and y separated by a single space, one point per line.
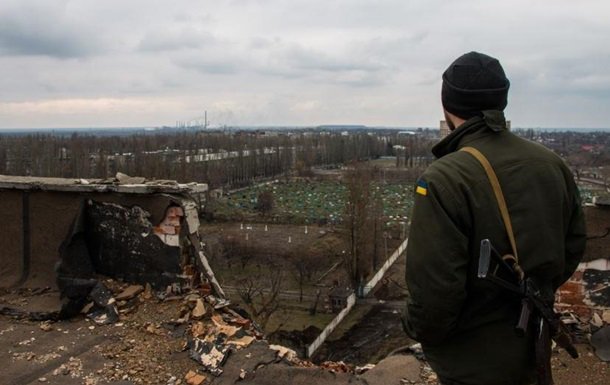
437 266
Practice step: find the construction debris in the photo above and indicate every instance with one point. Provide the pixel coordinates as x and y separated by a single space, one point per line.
199 310
211 355
284 352
337 367
193 378
155 339
129 292
606 316
601 342
46 326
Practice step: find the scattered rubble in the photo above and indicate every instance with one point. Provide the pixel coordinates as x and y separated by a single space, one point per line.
283 352
601 342
597 321
606 316
199 310
178 337
168 340
129 292
46 326
193 378
337 367
73 368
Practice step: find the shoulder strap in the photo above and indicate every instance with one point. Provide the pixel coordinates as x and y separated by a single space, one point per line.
495 184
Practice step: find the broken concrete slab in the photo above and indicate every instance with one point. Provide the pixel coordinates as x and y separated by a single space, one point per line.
211 355
78 293
199 309
193 378
223 327
198 329
126 179
391 370
129 292
601 342
242 342
606 316
596 321
284 352
246 361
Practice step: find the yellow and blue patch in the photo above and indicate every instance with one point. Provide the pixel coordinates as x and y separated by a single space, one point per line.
422 187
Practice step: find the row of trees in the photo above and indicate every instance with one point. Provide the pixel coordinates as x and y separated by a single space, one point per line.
218 158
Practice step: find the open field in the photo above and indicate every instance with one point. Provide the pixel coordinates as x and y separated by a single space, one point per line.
242 250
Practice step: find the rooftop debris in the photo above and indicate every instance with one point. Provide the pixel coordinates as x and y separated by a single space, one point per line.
129 292
601 342
158 340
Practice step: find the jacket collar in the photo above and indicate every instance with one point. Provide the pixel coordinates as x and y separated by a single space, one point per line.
490 122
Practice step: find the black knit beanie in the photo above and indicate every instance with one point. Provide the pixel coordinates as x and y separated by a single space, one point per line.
473 83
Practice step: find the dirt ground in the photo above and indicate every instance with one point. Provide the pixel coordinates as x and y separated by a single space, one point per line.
373 337
586 370
280 241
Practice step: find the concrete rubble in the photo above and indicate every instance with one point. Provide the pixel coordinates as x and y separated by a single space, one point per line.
168 339
601 342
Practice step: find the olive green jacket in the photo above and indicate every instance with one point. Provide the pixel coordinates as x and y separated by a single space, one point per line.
465 324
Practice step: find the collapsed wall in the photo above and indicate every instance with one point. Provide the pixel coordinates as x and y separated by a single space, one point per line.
587 293
63 233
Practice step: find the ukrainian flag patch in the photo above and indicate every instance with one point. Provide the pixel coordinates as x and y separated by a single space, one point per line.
422 187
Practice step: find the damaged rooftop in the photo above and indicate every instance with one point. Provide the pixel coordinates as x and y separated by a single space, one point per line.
106 282
120 184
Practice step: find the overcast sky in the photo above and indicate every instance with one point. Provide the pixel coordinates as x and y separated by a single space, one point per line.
101 63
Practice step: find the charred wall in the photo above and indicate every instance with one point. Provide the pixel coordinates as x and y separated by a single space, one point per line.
122 244
36 223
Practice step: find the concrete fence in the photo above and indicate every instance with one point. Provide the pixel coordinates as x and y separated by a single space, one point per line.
386 266
351 300
311 349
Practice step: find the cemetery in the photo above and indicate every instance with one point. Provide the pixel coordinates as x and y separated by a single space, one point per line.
311 201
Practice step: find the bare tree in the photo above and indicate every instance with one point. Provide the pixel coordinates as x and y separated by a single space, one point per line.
358 221
260 294
299 271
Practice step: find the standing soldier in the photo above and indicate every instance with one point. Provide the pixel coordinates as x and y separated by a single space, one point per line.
466 325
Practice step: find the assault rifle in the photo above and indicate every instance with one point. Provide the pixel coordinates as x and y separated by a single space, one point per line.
506 273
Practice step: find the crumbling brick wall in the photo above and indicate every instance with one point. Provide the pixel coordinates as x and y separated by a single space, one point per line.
587 291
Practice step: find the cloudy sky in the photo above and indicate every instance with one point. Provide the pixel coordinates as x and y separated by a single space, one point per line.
101 63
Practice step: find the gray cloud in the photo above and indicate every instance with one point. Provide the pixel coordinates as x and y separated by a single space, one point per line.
287 60
374 62
159 40
46 29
